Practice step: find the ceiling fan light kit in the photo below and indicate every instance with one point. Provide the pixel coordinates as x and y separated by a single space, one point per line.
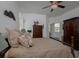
54 7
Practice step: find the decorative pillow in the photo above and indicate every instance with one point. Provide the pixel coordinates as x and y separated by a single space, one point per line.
13 38
16 38
25 40
28 36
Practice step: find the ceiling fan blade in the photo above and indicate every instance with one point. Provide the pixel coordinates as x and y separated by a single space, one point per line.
55 2
51 10
51 2
46 7
59 1
61 6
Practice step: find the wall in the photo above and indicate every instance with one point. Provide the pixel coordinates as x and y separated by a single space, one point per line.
68 15
6 21
28 21
47 26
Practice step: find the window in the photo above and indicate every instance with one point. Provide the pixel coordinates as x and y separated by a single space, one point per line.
57 27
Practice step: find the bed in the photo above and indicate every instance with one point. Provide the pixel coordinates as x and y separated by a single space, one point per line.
42 48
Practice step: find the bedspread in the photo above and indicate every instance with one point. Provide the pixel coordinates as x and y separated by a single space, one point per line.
42 48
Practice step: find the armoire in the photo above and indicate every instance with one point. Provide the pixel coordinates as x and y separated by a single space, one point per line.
71 32
37 31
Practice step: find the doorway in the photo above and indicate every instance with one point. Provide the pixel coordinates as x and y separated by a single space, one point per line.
55 31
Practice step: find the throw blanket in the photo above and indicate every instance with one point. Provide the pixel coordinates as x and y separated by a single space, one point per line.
41 48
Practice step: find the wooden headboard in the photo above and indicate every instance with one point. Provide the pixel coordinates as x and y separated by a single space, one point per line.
2 53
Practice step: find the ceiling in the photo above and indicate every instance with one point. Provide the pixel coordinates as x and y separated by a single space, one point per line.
36 7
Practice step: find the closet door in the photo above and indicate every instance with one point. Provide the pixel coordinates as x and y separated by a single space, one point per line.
67 31
37 31
76 34
71 29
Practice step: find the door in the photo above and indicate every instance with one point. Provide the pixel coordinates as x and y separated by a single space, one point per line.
71 29
68 31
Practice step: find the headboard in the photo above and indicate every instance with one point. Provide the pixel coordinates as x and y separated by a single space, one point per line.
6 45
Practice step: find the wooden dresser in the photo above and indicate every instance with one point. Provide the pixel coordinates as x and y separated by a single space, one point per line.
37 31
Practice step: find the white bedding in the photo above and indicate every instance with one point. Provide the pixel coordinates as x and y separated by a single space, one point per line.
42 48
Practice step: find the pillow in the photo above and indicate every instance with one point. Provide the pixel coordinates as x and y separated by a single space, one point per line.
25 40
16 38
13 38
28 36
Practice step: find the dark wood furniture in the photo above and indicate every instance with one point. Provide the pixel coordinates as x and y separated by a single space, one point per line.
71 32
2 53
37 31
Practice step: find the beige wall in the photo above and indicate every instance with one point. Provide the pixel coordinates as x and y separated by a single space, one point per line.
6 21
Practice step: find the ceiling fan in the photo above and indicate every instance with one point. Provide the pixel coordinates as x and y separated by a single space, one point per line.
54 4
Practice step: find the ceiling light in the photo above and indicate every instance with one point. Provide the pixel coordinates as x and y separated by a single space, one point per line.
54 6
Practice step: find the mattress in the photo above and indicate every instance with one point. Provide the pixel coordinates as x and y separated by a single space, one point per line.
42 48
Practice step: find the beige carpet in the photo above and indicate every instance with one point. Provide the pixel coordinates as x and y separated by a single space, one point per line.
76 53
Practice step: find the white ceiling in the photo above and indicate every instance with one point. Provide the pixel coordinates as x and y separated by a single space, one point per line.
36 7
